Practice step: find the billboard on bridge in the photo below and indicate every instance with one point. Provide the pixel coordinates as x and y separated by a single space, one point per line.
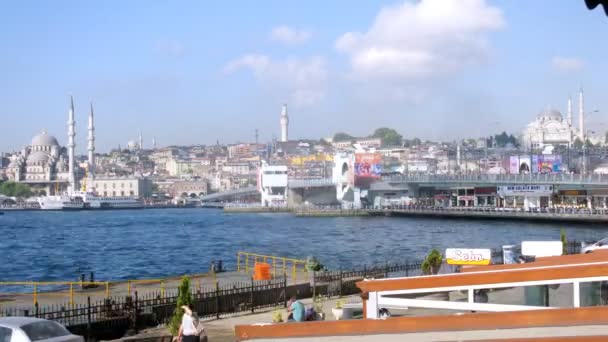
368 165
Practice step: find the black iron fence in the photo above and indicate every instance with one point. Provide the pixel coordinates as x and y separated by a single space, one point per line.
112 317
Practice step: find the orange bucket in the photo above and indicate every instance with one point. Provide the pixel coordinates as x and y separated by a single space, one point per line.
262 271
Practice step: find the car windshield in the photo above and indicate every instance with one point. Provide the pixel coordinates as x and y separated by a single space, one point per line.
5 334
603 241
43 330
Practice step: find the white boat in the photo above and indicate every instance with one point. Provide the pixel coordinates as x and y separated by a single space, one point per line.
60 202
93 201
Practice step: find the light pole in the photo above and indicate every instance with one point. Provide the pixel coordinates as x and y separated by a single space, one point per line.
584 168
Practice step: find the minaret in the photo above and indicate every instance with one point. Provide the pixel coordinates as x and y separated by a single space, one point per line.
91 146
154 143
141 141
284 123
569 111
581 114
71 145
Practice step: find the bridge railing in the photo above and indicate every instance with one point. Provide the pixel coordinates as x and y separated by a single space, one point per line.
502 178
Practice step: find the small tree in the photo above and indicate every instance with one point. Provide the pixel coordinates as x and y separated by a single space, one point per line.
184 298
562 236
432 262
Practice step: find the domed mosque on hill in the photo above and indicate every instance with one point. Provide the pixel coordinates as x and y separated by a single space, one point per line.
41 164
550 128
47 167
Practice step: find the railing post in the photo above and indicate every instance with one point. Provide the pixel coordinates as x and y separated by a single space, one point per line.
238 262
107 289
135 314
35 294
246 263
340 283
576 294
129 287
285 290
251 296
407 269
36 309
88 318
217 300
71 294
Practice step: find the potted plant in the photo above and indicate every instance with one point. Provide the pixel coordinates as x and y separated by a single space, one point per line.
277 316
432 263
337 311
318 307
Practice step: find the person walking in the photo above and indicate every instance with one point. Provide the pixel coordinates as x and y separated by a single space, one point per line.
188 330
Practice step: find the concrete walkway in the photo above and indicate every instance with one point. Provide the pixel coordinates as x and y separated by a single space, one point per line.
144 288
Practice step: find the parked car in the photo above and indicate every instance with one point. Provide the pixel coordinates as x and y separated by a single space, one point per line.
30 329
602 244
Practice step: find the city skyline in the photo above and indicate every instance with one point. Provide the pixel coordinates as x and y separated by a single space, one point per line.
490 68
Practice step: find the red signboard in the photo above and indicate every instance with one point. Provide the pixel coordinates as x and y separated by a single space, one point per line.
368 165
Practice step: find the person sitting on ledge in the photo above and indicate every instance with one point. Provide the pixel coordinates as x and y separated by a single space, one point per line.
296 309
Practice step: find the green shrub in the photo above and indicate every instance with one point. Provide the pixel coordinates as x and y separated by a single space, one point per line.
432 262
184 298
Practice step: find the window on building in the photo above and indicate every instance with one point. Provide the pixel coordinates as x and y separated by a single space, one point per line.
132 193
122 185
122 193
113 185
105 193
113 193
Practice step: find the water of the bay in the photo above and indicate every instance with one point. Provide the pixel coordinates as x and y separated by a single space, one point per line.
160 242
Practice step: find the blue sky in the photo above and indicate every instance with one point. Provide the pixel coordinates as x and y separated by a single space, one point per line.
193 72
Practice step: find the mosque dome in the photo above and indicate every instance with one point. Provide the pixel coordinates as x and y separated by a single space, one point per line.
550 114
37 156
43 139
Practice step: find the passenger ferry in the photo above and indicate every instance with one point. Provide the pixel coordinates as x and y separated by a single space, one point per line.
80 200
93 201
60 202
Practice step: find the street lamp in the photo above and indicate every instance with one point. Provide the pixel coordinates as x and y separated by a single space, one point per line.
583 134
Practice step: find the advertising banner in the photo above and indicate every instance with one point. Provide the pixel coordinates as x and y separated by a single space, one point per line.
525 164
550 163
536 164
368 165
541 248
514 165
466 256
520 190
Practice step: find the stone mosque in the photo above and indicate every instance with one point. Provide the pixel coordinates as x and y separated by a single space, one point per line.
43 165
550 128
47 167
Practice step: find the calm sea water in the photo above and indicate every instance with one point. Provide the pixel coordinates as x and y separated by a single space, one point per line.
160 242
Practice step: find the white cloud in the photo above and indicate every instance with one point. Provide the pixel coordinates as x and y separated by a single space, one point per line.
422 39
305 79
566 64
288 35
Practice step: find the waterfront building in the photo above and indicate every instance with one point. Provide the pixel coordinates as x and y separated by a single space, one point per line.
272 185
193 188
122 186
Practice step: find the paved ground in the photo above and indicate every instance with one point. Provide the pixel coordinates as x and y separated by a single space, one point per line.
121 289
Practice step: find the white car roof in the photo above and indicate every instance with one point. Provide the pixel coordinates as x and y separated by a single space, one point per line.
17 322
